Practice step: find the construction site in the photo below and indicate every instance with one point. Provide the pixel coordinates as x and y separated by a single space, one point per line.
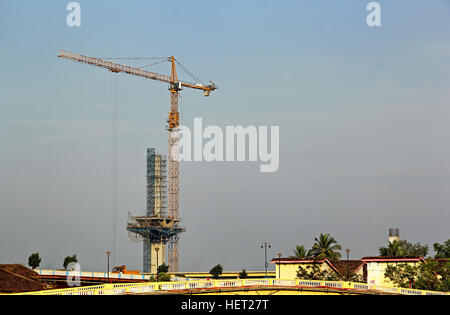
159 231
161 226
126 171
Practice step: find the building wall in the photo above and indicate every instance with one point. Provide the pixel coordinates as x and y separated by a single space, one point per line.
360 273
289 271
157 257
376 270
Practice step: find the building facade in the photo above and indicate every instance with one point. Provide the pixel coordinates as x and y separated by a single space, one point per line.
376 267
369 269
287 268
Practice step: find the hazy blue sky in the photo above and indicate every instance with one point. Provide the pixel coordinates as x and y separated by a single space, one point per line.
363 115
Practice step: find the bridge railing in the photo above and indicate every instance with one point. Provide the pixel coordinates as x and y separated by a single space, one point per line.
87 274
154 287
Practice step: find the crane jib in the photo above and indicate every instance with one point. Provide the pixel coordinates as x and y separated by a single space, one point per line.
118 68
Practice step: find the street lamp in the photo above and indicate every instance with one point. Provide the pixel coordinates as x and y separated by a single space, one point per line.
157 262
108 253
265 245
348 267
279 265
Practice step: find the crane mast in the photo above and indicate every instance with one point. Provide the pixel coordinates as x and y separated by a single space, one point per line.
173 127
174 166
173 124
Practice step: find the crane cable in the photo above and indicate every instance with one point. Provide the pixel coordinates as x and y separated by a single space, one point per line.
153 64
114 164
161 60
134 58
195 78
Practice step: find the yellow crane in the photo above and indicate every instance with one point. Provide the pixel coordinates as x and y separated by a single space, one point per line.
173 122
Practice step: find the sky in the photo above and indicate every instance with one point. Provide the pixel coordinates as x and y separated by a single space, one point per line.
363 115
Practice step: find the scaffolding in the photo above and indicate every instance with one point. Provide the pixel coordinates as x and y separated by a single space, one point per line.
156 228
156 233
156 184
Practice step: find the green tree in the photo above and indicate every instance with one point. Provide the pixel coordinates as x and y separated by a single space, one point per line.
314 272
34 260
163 268
402 275
393 249
216 271
243 274
163 277
301 252
404 248
162 273
70 259
431 275
409 249
326 247
442 250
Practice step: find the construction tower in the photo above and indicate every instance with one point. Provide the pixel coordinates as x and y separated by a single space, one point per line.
158 226
155 228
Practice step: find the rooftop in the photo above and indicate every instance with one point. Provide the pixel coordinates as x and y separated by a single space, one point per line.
393 258
341 266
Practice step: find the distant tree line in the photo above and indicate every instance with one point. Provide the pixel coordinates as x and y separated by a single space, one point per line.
34 261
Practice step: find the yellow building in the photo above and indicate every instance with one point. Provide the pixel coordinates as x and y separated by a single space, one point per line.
287 268
368 269
376 267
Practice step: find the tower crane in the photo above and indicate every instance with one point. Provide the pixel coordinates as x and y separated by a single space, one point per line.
173 123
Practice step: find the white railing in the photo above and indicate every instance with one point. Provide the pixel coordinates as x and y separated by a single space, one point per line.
310 283
87 274
361 286
283 283
337 285
155 287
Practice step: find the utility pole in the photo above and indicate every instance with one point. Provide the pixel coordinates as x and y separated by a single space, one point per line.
279 265
108 253
348 267
265 245
157 262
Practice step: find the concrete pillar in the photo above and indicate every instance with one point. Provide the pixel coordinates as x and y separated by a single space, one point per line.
157 256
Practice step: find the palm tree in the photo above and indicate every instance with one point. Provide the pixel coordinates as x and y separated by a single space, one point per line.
393 249
301 252
326 247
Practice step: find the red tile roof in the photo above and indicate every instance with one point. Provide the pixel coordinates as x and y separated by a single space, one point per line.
393 258
344 266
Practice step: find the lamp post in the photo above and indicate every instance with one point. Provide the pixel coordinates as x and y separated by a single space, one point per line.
108 253
265 245
348 267
157 262
279 265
